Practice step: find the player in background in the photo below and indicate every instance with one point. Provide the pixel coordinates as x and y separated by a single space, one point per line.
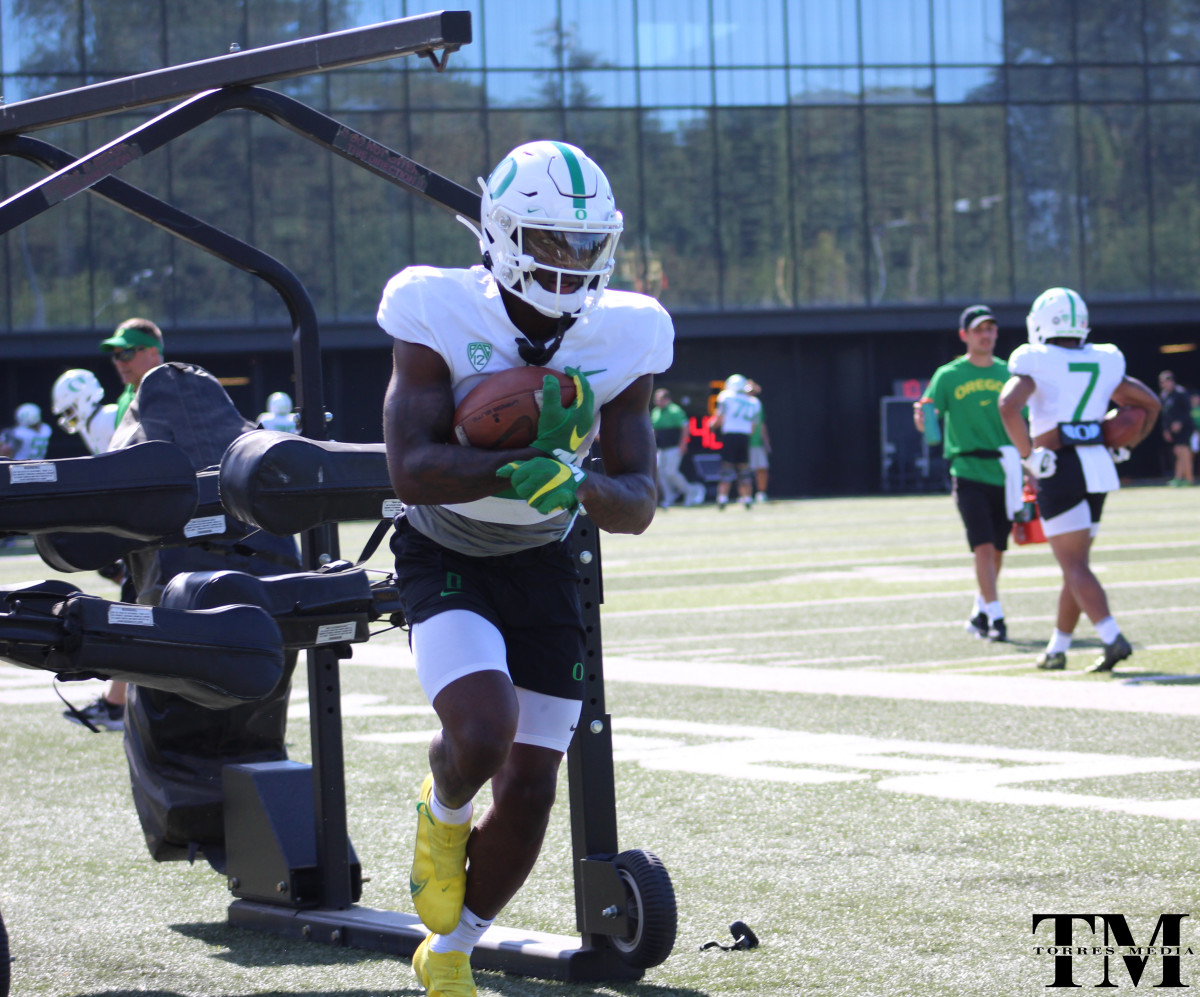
735 418
29 438
671 437
964 394
76 399
279 415
1067 384
487 581
760 446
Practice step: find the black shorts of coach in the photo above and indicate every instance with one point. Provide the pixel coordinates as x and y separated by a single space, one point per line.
984 512
1067 487
531 597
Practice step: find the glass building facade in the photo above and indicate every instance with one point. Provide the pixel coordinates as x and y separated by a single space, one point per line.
770 156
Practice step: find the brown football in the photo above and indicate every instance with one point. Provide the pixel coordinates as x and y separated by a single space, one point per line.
1121 426
501 411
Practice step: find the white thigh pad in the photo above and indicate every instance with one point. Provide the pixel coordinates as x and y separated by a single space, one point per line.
546 721
453 644
1078 517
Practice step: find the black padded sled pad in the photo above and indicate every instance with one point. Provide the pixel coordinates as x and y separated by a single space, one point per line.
216 658
286 484
92 551
311 608
143 492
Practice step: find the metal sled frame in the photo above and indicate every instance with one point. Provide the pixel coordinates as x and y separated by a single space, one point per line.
619 904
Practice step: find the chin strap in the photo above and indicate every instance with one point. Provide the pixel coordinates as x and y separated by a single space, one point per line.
540 354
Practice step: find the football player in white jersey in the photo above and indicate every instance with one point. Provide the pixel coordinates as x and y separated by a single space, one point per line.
738 413
29 438
1068 384
487 583
76 399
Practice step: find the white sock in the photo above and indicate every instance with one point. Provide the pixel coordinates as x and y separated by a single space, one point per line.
722 499
979 604
1059 642
1108 630
994 611
465 937
445 814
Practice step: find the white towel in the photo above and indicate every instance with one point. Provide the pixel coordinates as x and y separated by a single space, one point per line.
1099 472
1014 480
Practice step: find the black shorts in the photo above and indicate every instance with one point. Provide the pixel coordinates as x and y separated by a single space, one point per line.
1067 487
531 597
735 448
984 512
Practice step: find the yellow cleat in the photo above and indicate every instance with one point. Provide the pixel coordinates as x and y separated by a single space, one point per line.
443 974
438 881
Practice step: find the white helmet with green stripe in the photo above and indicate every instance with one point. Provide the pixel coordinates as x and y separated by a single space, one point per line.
550 227
1057 312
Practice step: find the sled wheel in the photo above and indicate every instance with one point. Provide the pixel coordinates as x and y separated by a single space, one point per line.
649 908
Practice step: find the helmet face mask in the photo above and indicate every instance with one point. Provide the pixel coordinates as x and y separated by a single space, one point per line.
1056 312
75 397
549 228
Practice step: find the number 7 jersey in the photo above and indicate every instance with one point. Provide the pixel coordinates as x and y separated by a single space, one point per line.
1072 384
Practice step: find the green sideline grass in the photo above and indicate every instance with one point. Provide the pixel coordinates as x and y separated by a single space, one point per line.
853 887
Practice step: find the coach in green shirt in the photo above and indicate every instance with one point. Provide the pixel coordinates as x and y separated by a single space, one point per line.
965 393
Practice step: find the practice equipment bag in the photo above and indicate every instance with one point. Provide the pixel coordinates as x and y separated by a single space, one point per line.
284 484
140 493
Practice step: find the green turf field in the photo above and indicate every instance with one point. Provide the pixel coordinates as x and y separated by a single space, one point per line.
804 734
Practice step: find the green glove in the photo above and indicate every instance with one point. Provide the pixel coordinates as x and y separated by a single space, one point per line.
546 484
564 427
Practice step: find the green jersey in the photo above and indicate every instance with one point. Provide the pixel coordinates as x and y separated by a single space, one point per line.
667 421
756 434
967 398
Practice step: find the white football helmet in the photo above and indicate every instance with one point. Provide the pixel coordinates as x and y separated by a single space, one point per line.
1058 312
735 384
28 415
549 227
279 403
75 397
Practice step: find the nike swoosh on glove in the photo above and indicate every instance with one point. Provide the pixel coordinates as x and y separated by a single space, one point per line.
546 484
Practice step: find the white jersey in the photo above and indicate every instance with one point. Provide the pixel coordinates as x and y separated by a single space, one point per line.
739 412
285 423
459 314
1073 385
98 430
28 442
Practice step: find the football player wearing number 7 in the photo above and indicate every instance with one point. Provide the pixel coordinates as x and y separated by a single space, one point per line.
487 583
1067 384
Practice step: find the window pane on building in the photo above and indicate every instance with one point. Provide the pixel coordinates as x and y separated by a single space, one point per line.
895 32
1115 199
823 33
1174 151
753 195
968 31
1173 30
827 206
973 204
1038 31
680 197
674 33
973 85
1109 31
1045 190
746 34
598 34
900 204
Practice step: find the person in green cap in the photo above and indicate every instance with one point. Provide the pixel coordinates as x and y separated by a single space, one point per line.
136 348
964 394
